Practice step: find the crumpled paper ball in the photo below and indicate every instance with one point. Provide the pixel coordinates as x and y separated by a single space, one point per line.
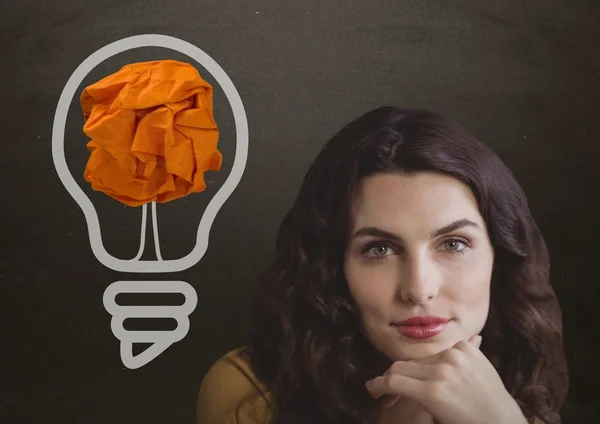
152 131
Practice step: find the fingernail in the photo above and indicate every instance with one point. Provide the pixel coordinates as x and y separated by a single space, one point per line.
390 401
368 384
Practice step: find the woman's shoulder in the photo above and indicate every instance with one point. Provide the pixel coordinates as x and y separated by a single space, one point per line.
229 387
235 367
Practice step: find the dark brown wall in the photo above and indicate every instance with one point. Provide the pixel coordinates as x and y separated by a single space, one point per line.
521 75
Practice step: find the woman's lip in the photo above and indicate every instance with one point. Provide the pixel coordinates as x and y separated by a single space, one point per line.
423 320
422 331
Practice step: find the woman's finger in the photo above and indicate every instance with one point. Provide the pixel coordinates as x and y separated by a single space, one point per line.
406 368
476 341
416 370
396 384
390 400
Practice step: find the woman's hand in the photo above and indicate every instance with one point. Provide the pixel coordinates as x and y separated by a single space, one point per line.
456 386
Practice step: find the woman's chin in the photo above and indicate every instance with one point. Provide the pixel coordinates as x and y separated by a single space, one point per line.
418 350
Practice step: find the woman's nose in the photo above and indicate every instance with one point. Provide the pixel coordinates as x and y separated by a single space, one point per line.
419 280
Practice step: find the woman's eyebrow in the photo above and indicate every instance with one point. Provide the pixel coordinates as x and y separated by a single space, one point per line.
455 226
378 232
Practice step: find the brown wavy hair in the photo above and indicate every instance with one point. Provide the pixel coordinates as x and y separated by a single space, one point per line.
306 345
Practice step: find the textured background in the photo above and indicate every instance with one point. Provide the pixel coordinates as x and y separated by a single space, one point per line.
522 75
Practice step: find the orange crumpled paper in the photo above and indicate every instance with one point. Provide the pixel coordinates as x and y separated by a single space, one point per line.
153 132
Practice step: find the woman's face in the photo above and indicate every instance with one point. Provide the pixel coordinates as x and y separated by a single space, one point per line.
418 247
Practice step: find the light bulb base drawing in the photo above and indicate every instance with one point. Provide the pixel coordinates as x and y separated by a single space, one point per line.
160 340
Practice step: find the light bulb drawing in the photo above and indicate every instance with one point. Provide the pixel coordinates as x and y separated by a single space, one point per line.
161 340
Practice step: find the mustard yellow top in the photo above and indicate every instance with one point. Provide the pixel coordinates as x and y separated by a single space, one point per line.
230 382
226 384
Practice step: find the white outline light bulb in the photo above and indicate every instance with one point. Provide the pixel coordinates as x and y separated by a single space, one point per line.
161 339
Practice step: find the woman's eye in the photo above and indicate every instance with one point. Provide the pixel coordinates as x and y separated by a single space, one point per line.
454 245
378 250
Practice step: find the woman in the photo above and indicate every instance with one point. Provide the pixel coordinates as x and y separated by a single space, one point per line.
410 285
